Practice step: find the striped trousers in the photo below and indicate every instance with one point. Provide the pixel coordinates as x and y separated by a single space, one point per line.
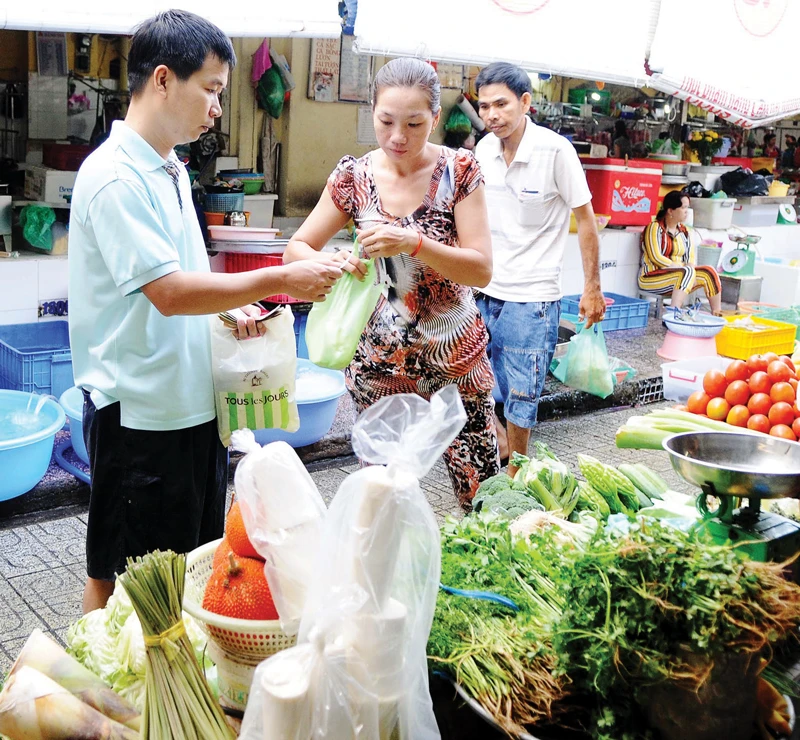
685 277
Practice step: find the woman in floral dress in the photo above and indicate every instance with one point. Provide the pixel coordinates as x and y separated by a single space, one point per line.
419 209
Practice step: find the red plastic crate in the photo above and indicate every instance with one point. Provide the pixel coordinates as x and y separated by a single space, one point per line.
67 157
734 161
237 262
628 193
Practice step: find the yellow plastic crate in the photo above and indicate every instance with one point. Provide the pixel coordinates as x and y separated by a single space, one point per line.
740 344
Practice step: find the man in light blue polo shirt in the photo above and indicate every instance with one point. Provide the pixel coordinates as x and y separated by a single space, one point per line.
140 293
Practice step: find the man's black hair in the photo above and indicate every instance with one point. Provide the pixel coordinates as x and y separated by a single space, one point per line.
179 40
513 77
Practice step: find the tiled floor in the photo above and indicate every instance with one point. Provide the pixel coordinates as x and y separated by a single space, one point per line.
42 564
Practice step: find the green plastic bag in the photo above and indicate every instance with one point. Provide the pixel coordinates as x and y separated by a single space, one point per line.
585 367
271 92
36 222
335 325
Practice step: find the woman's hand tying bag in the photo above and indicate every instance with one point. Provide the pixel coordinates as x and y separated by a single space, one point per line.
384 240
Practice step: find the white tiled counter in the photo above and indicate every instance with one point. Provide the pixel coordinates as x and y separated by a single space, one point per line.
620 256
30 281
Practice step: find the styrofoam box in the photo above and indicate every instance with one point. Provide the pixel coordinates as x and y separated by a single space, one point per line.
756 214
713 213
261 208
49 185
684 377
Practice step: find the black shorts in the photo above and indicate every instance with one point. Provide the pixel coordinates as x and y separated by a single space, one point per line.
150 490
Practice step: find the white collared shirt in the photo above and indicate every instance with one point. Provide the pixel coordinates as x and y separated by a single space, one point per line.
529 203
127 228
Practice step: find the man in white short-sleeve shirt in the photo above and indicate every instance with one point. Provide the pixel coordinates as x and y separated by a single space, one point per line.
534 179
140 292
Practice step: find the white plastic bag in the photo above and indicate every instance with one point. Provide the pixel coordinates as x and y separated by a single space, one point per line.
254 378
283 515
359 671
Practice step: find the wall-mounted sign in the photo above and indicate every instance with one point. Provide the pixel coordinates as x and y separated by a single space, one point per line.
323 70
355 74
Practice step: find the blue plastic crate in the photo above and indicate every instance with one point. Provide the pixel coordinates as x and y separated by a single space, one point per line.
36 358
624 313
224 202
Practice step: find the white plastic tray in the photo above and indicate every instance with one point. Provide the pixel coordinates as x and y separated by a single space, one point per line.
241 233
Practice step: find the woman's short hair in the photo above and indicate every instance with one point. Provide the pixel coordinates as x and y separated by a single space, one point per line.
179 40
409 72
672 200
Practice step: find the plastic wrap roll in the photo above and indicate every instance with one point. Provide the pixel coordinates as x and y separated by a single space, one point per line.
787 213
470 113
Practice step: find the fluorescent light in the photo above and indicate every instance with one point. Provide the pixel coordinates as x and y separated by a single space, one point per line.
595 96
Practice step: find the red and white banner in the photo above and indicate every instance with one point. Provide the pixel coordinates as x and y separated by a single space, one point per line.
733 58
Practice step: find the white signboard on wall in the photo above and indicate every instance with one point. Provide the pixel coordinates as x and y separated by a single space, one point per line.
741 64
589 39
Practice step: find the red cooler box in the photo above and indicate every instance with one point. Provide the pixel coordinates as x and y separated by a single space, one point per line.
627 193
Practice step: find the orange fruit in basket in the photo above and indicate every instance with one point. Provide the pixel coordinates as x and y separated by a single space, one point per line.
737 370
236 534
737 393
718 409
784 432
778 372
781 413
759 382
698 402
782 391
714 383
221 553
738 416
238 588
759 423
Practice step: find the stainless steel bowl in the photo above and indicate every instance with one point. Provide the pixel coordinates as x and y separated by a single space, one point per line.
736 464
566 330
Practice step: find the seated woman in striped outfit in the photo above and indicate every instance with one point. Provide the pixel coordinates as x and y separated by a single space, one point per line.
669 259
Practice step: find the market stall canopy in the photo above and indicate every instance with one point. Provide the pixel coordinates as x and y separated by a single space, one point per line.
301 18
604 41
733 58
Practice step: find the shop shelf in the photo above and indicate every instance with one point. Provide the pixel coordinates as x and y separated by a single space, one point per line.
623 313
739 343
36 358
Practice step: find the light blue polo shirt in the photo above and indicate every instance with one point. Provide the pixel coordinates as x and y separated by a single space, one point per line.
127 229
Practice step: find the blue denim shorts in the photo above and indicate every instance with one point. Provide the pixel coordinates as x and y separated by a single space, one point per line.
522 340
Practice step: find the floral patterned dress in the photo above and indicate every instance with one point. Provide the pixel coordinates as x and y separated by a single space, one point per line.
426 331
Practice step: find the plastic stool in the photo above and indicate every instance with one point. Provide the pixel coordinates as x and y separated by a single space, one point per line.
656 298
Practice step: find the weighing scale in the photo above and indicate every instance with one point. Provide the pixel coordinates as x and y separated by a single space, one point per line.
729 466
742 260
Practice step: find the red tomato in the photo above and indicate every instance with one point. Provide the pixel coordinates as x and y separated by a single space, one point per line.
769 357
794 383
782 392
718 409
698 402
737 393
781 413
738 416
759 382
714 383
796 408
759 423
796 428
756 362
759 403
788 362
737 370
784 432
778 372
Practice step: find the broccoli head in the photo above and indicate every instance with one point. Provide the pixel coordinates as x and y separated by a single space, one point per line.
509 503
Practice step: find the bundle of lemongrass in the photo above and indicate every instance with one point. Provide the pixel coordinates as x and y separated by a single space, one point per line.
178 701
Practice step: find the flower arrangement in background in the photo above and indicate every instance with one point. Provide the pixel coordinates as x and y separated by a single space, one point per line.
705 144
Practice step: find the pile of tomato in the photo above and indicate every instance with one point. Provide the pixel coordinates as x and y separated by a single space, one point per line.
760 394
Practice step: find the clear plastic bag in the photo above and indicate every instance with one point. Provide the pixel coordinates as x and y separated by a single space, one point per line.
254 379
359 671
335 325
283 514
585 367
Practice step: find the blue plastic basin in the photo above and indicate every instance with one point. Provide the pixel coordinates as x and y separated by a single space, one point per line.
72 402
318 391
24 458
